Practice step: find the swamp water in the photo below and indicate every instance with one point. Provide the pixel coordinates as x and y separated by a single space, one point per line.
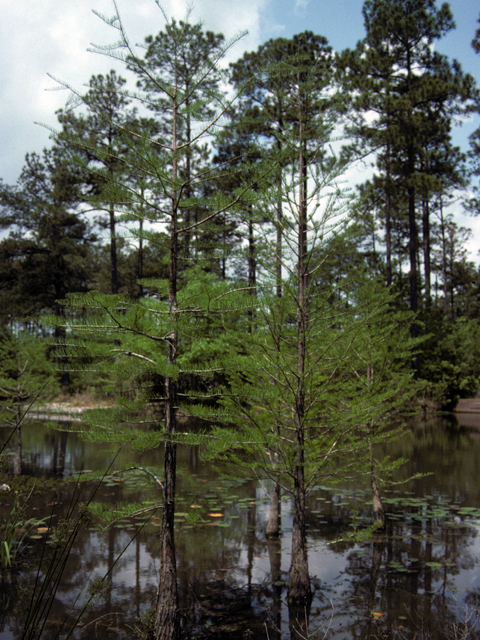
421 579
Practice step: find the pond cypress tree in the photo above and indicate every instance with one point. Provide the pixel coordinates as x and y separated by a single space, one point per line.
184 55
294 351
159 330
267 112
296 391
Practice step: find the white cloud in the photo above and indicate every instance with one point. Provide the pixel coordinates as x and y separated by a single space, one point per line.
52 36
301 5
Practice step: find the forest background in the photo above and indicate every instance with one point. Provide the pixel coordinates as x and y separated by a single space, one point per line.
447 286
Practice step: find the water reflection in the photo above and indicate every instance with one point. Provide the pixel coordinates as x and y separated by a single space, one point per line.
419 575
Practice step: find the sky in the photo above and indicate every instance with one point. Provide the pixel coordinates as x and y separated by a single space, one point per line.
40 37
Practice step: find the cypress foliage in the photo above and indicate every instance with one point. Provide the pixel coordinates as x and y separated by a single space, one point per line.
157 337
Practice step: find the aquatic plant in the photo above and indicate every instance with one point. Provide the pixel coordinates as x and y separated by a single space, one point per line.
14 532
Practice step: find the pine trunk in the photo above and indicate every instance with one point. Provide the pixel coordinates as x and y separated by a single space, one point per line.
426 252
140 258
412 229
388 225
113 251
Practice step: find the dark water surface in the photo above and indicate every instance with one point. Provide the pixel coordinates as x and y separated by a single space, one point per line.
421 579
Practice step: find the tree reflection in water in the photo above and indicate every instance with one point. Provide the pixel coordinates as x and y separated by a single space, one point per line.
416 578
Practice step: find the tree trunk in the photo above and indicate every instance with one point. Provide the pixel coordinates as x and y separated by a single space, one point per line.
278 248
166 615
274 518
388 225
426 252
414 330
252 263
113 251
61 359
140 259
299 580
412 245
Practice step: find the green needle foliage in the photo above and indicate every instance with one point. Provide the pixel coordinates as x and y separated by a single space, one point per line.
146 344
282 358
296 402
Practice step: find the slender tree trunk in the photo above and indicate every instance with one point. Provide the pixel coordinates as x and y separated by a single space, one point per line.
61 359
452 302
388 224
274 518
426 252
444 260
188 176
299 579
224 249
17 464
279 248
414 330
140 255
378 510
113 258
252 263
166 615
113 251
412 225
412 228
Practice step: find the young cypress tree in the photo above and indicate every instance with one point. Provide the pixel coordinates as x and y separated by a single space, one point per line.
296 390
294 352
158 330
267 113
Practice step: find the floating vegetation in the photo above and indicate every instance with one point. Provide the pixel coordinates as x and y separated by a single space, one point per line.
399 507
